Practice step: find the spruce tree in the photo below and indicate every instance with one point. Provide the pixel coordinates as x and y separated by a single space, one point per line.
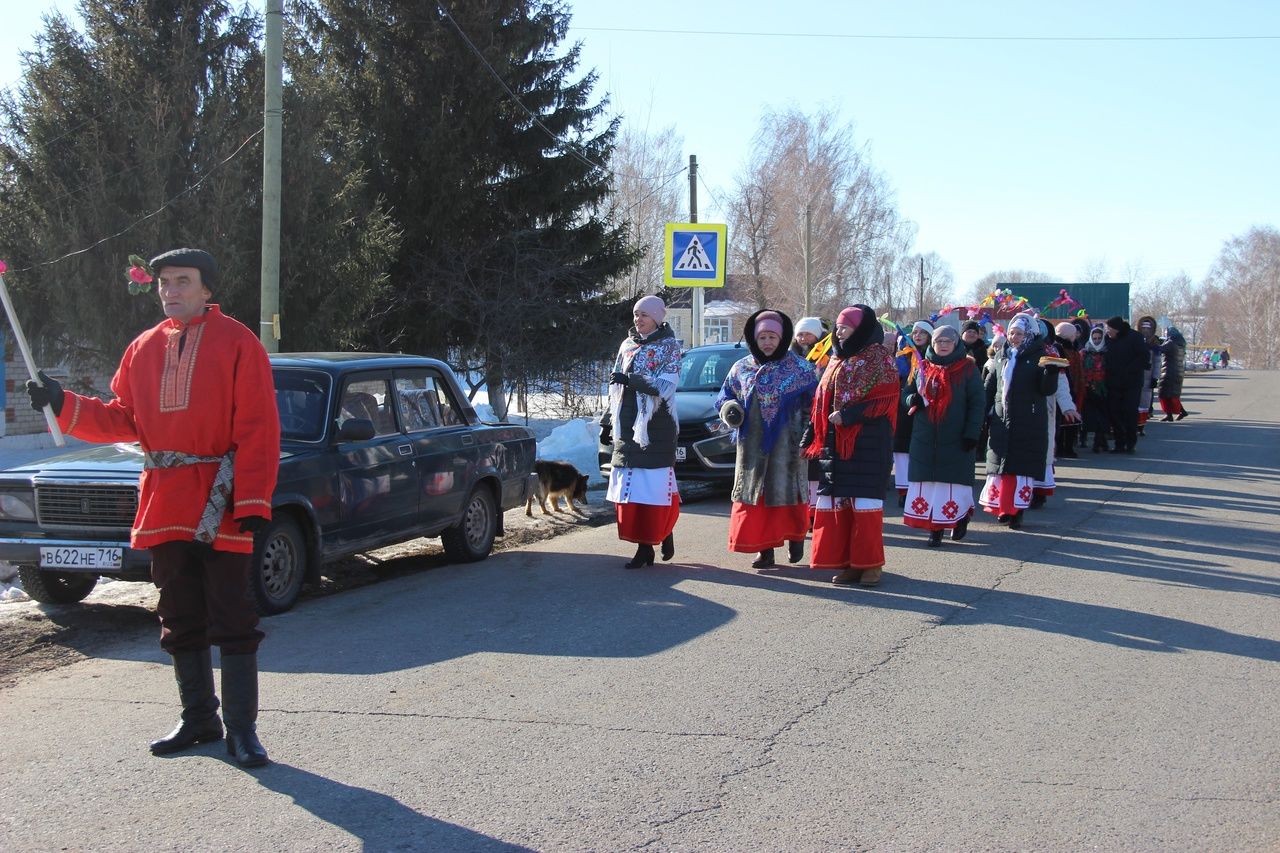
499 195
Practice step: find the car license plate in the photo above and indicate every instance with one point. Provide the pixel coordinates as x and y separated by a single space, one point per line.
681 453
81 557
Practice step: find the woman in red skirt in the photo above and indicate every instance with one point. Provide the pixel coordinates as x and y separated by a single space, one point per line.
642 389
766 399
851 435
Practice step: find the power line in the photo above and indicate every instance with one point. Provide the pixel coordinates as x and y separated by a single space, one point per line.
568 147
891 37
158 210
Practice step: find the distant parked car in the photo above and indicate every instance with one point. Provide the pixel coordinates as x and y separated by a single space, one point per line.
704 449
374 450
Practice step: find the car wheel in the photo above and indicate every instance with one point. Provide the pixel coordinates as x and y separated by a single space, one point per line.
279 566
471 539
56 587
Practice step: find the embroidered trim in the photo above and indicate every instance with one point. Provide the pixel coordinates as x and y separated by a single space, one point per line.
176 527
254 501
75 415
175 380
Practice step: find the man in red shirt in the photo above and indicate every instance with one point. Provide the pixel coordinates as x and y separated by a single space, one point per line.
196 392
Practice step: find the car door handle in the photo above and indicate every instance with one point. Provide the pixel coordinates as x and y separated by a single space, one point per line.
405 450
468 438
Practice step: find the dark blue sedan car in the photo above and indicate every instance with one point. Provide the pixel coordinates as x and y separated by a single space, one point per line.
375 449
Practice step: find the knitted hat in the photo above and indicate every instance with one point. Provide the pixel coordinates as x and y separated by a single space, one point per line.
768 321
812 325
653 306
198 258
851 317
922 326
946 333
971 326
1067 331
1118 323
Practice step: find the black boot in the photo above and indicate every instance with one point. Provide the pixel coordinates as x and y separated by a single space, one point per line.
960 530
240 709
935 538
643 557
200 723
1015 523
668 547
795 551
765 560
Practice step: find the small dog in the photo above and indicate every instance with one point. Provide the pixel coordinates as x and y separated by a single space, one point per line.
558 480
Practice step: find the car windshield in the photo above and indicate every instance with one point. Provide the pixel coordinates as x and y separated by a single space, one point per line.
705 370
300 398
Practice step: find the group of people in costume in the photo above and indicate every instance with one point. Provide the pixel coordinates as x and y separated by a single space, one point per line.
820 421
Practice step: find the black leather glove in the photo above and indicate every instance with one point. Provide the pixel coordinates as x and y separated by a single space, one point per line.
914 400
618 378
252 523
50 395
968 443
807 438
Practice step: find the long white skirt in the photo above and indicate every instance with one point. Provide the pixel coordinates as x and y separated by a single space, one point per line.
901 462
936 506
653 486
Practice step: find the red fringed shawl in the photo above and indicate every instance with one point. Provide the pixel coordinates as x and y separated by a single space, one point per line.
936 381
870 376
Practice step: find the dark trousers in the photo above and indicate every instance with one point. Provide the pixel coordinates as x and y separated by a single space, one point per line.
204 599
1122 403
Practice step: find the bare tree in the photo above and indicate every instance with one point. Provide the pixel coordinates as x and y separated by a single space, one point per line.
647 195
924 284
1243 304
814 223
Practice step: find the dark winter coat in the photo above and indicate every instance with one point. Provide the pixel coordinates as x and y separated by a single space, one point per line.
978 352
866 472
1019 441
1174 354
937 452
902 431
1127 358
661 452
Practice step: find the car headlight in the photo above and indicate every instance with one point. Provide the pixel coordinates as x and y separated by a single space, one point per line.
17 507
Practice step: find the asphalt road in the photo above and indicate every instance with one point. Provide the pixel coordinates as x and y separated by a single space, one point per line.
1105 679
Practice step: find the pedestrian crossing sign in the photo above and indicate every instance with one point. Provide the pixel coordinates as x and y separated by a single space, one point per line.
695 253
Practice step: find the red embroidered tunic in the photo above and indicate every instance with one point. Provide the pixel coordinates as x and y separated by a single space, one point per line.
215 397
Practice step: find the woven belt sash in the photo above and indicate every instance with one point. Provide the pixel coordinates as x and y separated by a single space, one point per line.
219 493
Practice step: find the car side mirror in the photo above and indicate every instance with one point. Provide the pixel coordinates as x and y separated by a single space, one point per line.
356 429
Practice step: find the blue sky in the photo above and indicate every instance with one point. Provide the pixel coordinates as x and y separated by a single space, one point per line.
1007 150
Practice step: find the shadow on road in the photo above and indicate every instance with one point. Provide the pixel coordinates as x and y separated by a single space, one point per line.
951 603
379 821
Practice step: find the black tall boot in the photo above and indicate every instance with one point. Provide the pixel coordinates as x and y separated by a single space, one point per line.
765 560
199 723
795 550
668 547
240 709
643 557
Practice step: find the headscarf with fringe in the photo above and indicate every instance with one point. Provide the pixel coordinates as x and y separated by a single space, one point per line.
655 357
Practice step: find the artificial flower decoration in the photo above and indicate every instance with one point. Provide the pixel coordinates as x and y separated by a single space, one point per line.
140 275
4 268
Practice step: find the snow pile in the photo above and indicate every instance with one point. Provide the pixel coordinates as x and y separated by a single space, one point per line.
575 441
10 586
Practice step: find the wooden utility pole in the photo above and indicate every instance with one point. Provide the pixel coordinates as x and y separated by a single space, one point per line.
272 110
920 297
808 266
696 337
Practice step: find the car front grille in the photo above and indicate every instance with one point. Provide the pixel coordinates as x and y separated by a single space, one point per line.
86 505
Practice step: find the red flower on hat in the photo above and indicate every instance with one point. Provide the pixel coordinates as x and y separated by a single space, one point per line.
140 275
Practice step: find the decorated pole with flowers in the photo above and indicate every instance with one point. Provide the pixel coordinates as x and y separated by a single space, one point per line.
49 416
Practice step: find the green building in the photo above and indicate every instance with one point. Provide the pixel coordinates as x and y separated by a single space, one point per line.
1100 299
